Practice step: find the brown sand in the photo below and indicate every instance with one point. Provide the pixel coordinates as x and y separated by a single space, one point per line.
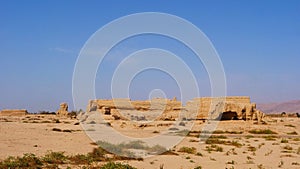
34 134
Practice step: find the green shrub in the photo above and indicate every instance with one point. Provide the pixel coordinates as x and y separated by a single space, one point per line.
227 132
27 161
292 133
122 149
289 125
81 159
97 154
189 150
287 147
248 136
214 147
199 154
251 148
54 157
112 165
214 141
259 131
270 138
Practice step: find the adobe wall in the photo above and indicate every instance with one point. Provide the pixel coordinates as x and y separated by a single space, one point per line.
127 104
202 106
235 107
13 112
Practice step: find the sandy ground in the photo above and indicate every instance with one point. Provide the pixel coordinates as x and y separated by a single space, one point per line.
34 134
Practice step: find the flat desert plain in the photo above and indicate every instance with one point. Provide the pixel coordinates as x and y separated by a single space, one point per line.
234 144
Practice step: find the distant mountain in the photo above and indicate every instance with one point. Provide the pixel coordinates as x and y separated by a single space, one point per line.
288 107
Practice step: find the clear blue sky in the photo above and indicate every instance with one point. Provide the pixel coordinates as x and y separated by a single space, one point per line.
258 42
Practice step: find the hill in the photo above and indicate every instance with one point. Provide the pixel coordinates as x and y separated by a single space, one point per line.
288 106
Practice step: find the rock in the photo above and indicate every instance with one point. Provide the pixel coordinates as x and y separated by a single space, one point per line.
63 110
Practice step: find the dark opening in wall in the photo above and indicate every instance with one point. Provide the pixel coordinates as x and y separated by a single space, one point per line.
229 115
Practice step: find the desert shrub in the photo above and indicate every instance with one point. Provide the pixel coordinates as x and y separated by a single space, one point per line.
45 121
231 151
292 133
219 149
231 162
227 132
97 154
173 129
73 114
122 148
92 122
182 124
270 138
260 131
169 152
284 141
46 112
27 161
182 132
234 143
189 150
112 165
218 132
116 149
81 159
214 141
199 167
249 136
56 129
289 125
268 153
214 147
157 149
199 154
260 166
54 158
57 121
296 139
219 137
138 144
287 147
67 131
251 148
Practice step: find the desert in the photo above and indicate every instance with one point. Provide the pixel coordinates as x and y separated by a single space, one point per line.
199 84
271 142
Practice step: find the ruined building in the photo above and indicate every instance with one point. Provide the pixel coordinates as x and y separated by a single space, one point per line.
224 108
63 110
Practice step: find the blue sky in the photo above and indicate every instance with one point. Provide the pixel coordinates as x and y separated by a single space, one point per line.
257 41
